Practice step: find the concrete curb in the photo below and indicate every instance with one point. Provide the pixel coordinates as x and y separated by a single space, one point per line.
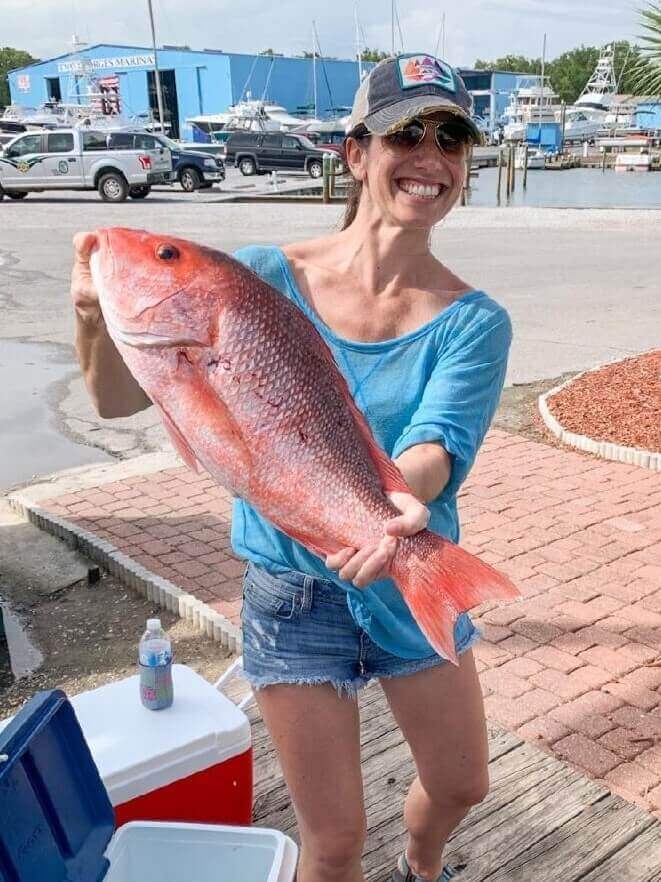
95 475
604 449
155 588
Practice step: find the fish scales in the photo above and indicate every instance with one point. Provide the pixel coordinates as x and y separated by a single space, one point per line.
249 390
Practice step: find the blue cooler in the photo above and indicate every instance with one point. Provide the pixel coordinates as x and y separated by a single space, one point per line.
57 823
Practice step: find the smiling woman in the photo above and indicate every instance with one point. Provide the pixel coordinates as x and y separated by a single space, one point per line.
424 354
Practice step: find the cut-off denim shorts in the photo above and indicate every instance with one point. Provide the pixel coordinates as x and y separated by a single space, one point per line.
298 629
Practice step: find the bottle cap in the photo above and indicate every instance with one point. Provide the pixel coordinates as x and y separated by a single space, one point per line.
153 624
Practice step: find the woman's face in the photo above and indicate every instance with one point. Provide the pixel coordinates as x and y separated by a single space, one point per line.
411 188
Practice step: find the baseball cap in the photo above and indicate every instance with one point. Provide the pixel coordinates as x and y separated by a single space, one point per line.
405 86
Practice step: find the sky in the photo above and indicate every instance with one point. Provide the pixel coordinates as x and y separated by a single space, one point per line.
474 29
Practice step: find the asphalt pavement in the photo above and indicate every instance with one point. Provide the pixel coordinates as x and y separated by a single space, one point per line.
581 287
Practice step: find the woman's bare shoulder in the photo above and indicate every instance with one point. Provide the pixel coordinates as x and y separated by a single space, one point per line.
309 250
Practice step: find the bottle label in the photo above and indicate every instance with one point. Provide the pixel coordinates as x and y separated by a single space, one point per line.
156 691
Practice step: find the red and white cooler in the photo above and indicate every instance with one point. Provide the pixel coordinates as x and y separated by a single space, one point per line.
191 762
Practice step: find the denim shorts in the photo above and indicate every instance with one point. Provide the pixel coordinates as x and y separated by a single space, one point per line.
298 629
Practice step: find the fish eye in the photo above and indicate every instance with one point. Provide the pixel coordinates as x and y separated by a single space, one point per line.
167 252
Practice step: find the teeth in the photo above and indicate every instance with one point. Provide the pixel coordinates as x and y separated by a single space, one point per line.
429 191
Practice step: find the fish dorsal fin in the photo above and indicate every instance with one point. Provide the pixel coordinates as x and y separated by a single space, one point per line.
391 478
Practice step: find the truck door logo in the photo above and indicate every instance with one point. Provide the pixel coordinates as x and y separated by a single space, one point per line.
63 167
23 165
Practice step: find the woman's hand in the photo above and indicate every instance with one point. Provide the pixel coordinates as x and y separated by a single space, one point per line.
83 293
372 562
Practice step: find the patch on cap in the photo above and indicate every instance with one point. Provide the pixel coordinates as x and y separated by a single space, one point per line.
421 70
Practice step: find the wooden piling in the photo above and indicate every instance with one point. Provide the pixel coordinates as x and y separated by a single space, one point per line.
500 174
525 166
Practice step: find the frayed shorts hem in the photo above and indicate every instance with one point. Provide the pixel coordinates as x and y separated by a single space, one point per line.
350 688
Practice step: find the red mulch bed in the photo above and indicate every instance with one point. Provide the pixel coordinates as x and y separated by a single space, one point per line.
619 402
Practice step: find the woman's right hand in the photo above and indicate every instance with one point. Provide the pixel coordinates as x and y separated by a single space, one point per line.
83 293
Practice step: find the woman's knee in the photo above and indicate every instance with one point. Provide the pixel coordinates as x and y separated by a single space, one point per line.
337 847
470 791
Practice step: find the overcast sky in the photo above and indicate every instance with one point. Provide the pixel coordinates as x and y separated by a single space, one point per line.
474 28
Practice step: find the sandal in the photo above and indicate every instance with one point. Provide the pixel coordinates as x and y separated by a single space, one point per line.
404 873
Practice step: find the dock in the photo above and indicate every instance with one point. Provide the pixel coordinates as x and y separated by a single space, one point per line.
542 821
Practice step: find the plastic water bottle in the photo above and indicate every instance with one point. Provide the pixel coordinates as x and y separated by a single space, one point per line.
155 660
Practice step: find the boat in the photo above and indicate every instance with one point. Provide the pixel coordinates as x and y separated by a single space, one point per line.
587 117
633 162
249 115
532 101
536 157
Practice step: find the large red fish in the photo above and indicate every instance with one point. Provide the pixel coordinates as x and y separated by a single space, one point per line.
249 390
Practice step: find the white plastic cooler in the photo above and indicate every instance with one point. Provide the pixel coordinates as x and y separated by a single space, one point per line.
57 823
190 762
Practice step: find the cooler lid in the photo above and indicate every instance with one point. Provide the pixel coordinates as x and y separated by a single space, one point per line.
55 816
138 750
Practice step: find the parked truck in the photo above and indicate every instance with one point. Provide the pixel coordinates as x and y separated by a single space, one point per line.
81 159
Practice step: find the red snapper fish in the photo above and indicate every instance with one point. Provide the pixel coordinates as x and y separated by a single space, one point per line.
248 390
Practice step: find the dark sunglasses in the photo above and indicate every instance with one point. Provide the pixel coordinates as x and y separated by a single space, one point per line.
450 137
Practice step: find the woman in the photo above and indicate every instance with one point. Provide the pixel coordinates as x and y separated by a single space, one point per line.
424 354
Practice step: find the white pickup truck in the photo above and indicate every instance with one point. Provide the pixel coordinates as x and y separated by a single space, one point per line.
81 159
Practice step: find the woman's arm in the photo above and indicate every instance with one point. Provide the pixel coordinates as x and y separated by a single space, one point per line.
426 468
112 388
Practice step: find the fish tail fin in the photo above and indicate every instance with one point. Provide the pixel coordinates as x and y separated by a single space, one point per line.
439 581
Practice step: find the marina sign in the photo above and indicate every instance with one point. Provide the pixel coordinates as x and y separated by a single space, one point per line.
105 63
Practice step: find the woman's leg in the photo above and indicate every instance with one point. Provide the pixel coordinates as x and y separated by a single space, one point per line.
317 736
441 714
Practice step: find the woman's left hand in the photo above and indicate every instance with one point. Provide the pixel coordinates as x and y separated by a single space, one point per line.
372 562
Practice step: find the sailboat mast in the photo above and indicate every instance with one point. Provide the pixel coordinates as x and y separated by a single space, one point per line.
392 27
314 67
157 76
541 97
359 51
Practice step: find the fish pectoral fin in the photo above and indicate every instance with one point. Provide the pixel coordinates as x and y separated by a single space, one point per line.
213 439
182 446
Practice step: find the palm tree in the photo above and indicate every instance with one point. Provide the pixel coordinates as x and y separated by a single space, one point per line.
649 68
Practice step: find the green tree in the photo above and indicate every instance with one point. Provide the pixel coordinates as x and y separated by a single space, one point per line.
570 71
10 59
513 63
271 52
374 54
646 73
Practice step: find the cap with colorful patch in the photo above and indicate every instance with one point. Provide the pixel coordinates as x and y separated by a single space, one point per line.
401 88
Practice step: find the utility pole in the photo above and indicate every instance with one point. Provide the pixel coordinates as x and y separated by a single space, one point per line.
157 76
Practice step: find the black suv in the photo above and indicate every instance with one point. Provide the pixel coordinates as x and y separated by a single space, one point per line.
194 171
261 152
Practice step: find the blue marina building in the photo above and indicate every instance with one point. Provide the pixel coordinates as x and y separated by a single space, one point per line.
491 90
193 82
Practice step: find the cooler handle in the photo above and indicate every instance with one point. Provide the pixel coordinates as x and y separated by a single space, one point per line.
234 670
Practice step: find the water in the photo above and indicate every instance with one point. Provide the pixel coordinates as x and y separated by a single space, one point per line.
30 443
572 188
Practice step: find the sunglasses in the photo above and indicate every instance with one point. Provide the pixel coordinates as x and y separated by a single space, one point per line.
450 137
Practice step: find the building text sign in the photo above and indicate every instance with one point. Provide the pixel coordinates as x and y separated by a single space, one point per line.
105 63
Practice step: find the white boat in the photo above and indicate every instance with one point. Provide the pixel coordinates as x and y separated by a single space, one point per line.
536 157
633 162
588 115
531 101
249 115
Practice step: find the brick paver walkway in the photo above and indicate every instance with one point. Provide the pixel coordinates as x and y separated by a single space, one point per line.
574 667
